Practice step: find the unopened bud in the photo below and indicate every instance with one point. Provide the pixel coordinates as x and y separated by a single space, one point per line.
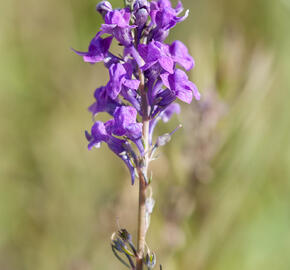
141 4
104 7
118 244
141 16
150 260
123 233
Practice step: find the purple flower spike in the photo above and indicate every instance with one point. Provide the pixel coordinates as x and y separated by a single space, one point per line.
144 81
98 49
180 85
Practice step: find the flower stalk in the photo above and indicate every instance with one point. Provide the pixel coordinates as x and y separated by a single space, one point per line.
141 230
142 173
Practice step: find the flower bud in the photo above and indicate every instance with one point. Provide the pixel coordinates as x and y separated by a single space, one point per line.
104 7
150 260
141 16
118 244
123 233
141 4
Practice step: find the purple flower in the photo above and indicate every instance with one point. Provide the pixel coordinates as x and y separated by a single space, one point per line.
98 134
101 132
156 52
141 29
122 149
103 102
165 55
125 123
131 50
164 98
98 49
133 97
164 17
120 76
179 84
117 24
180 55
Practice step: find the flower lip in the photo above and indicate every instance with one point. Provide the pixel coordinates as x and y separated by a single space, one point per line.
180 55
180 85
120 78
156 52
125 123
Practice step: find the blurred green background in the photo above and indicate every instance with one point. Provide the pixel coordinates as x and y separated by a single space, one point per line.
221 187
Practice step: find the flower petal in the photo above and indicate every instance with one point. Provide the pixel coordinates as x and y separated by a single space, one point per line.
184 95
169 111
132 84
180 55
166 63
164 77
